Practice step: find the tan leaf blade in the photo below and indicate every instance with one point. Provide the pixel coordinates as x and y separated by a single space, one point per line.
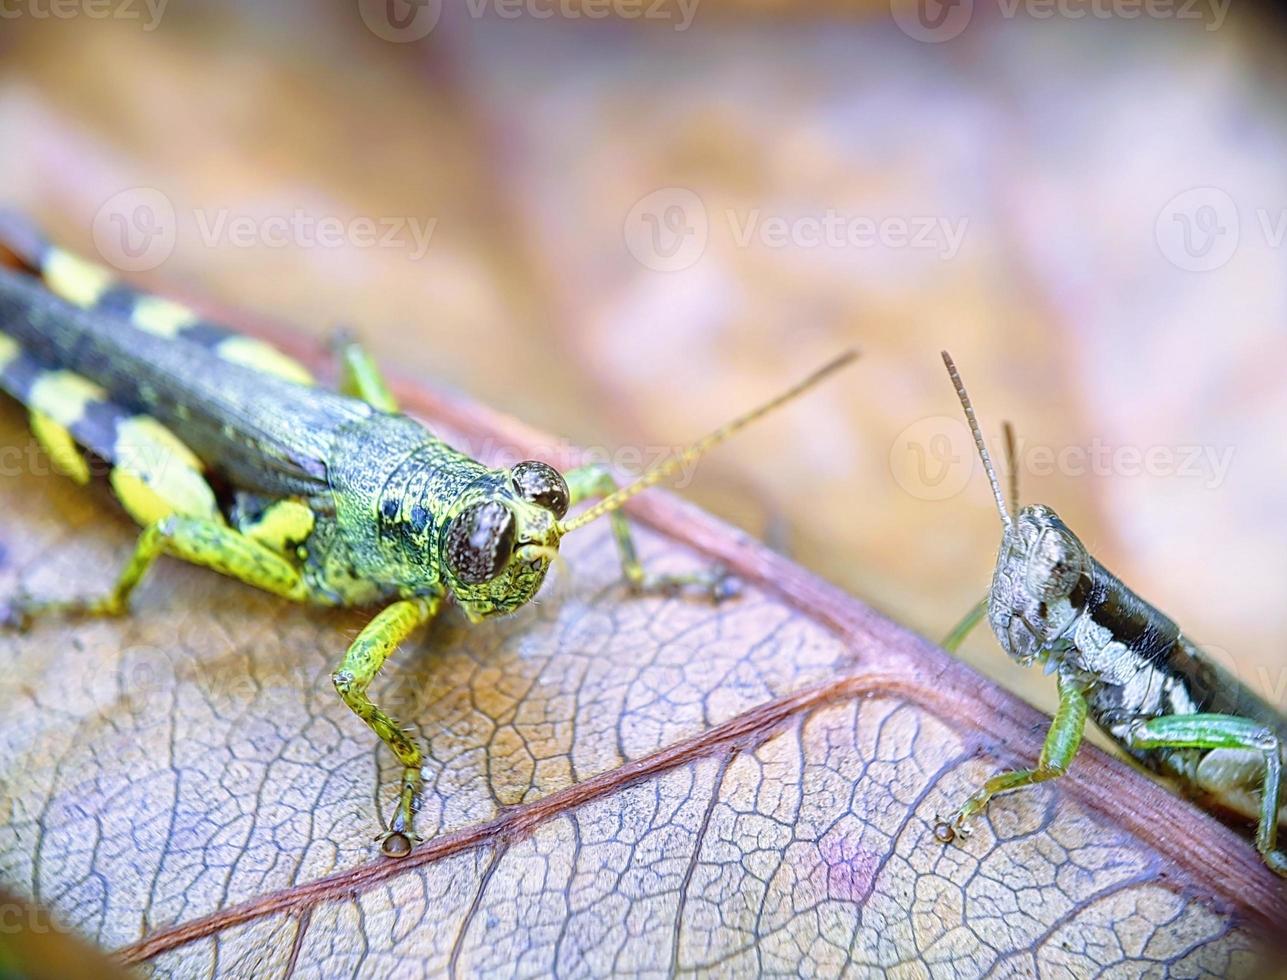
614 784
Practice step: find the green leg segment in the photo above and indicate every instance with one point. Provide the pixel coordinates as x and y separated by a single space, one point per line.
354 675
1062 742
190 539
231 553
595 480
359 375
1226 732
954 639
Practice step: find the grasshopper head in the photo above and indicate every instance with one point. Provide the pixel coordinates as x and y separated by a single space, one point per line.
497 545
1039 570
1041 566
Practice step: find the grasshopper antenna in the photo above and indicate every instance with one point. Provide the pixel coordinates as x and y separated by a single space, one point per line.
959 385
1012 465
702 446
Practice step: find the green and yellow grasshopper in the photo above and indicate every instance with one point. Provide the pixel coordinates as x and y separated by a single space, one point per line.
333 498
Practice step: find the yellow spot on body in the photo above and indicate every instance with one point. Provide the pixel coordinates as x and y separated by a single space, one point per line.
156 475
263 357
63 396
9 351
162 317
61 447
285 523
142 435
180 491
74 279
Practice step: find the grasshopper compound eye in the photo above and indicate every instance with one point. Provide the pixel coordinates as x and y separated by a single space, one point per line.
541 484
1055 564
478 542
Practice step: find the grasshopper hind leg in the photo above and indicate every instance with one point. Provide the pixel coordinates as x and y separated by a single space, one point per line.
1219 733
595 480
153 474
1234 780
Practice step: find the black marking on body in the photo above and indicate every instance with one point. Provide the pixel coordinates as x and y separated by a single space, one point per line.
1214 689
120 300
1147 633
117 300
420 525
96 428
405 504
20 375
205 334
263 433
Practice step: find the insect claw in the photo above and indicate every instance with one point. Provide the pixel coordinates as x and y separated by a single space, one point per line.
724 585
14 614
947 831
341 336
396 844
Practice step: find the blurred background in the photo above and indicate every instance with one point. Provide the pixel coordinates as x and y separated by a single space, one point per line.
625 220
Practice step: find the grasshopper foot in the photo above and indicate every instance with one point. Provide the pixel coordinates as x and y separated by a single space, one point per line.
714 585
956 829
15 614
19 612
397 843
724 585
399 839
1277 861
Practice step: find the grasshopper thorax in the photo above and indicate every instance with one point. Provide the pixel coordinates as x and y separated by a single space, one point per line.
1040 584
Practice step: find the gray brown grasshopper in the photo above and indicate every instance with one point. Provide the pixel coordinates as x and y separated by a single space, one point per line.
1124 664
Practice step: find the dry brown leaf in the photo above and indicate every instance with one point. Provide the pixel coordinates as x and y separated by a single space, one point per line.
616 784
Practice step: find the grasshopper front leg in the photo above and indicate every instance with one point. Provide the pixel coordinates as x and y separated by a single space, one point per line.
360 376
1210 731
596 480
354 675
953 640
1062 741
